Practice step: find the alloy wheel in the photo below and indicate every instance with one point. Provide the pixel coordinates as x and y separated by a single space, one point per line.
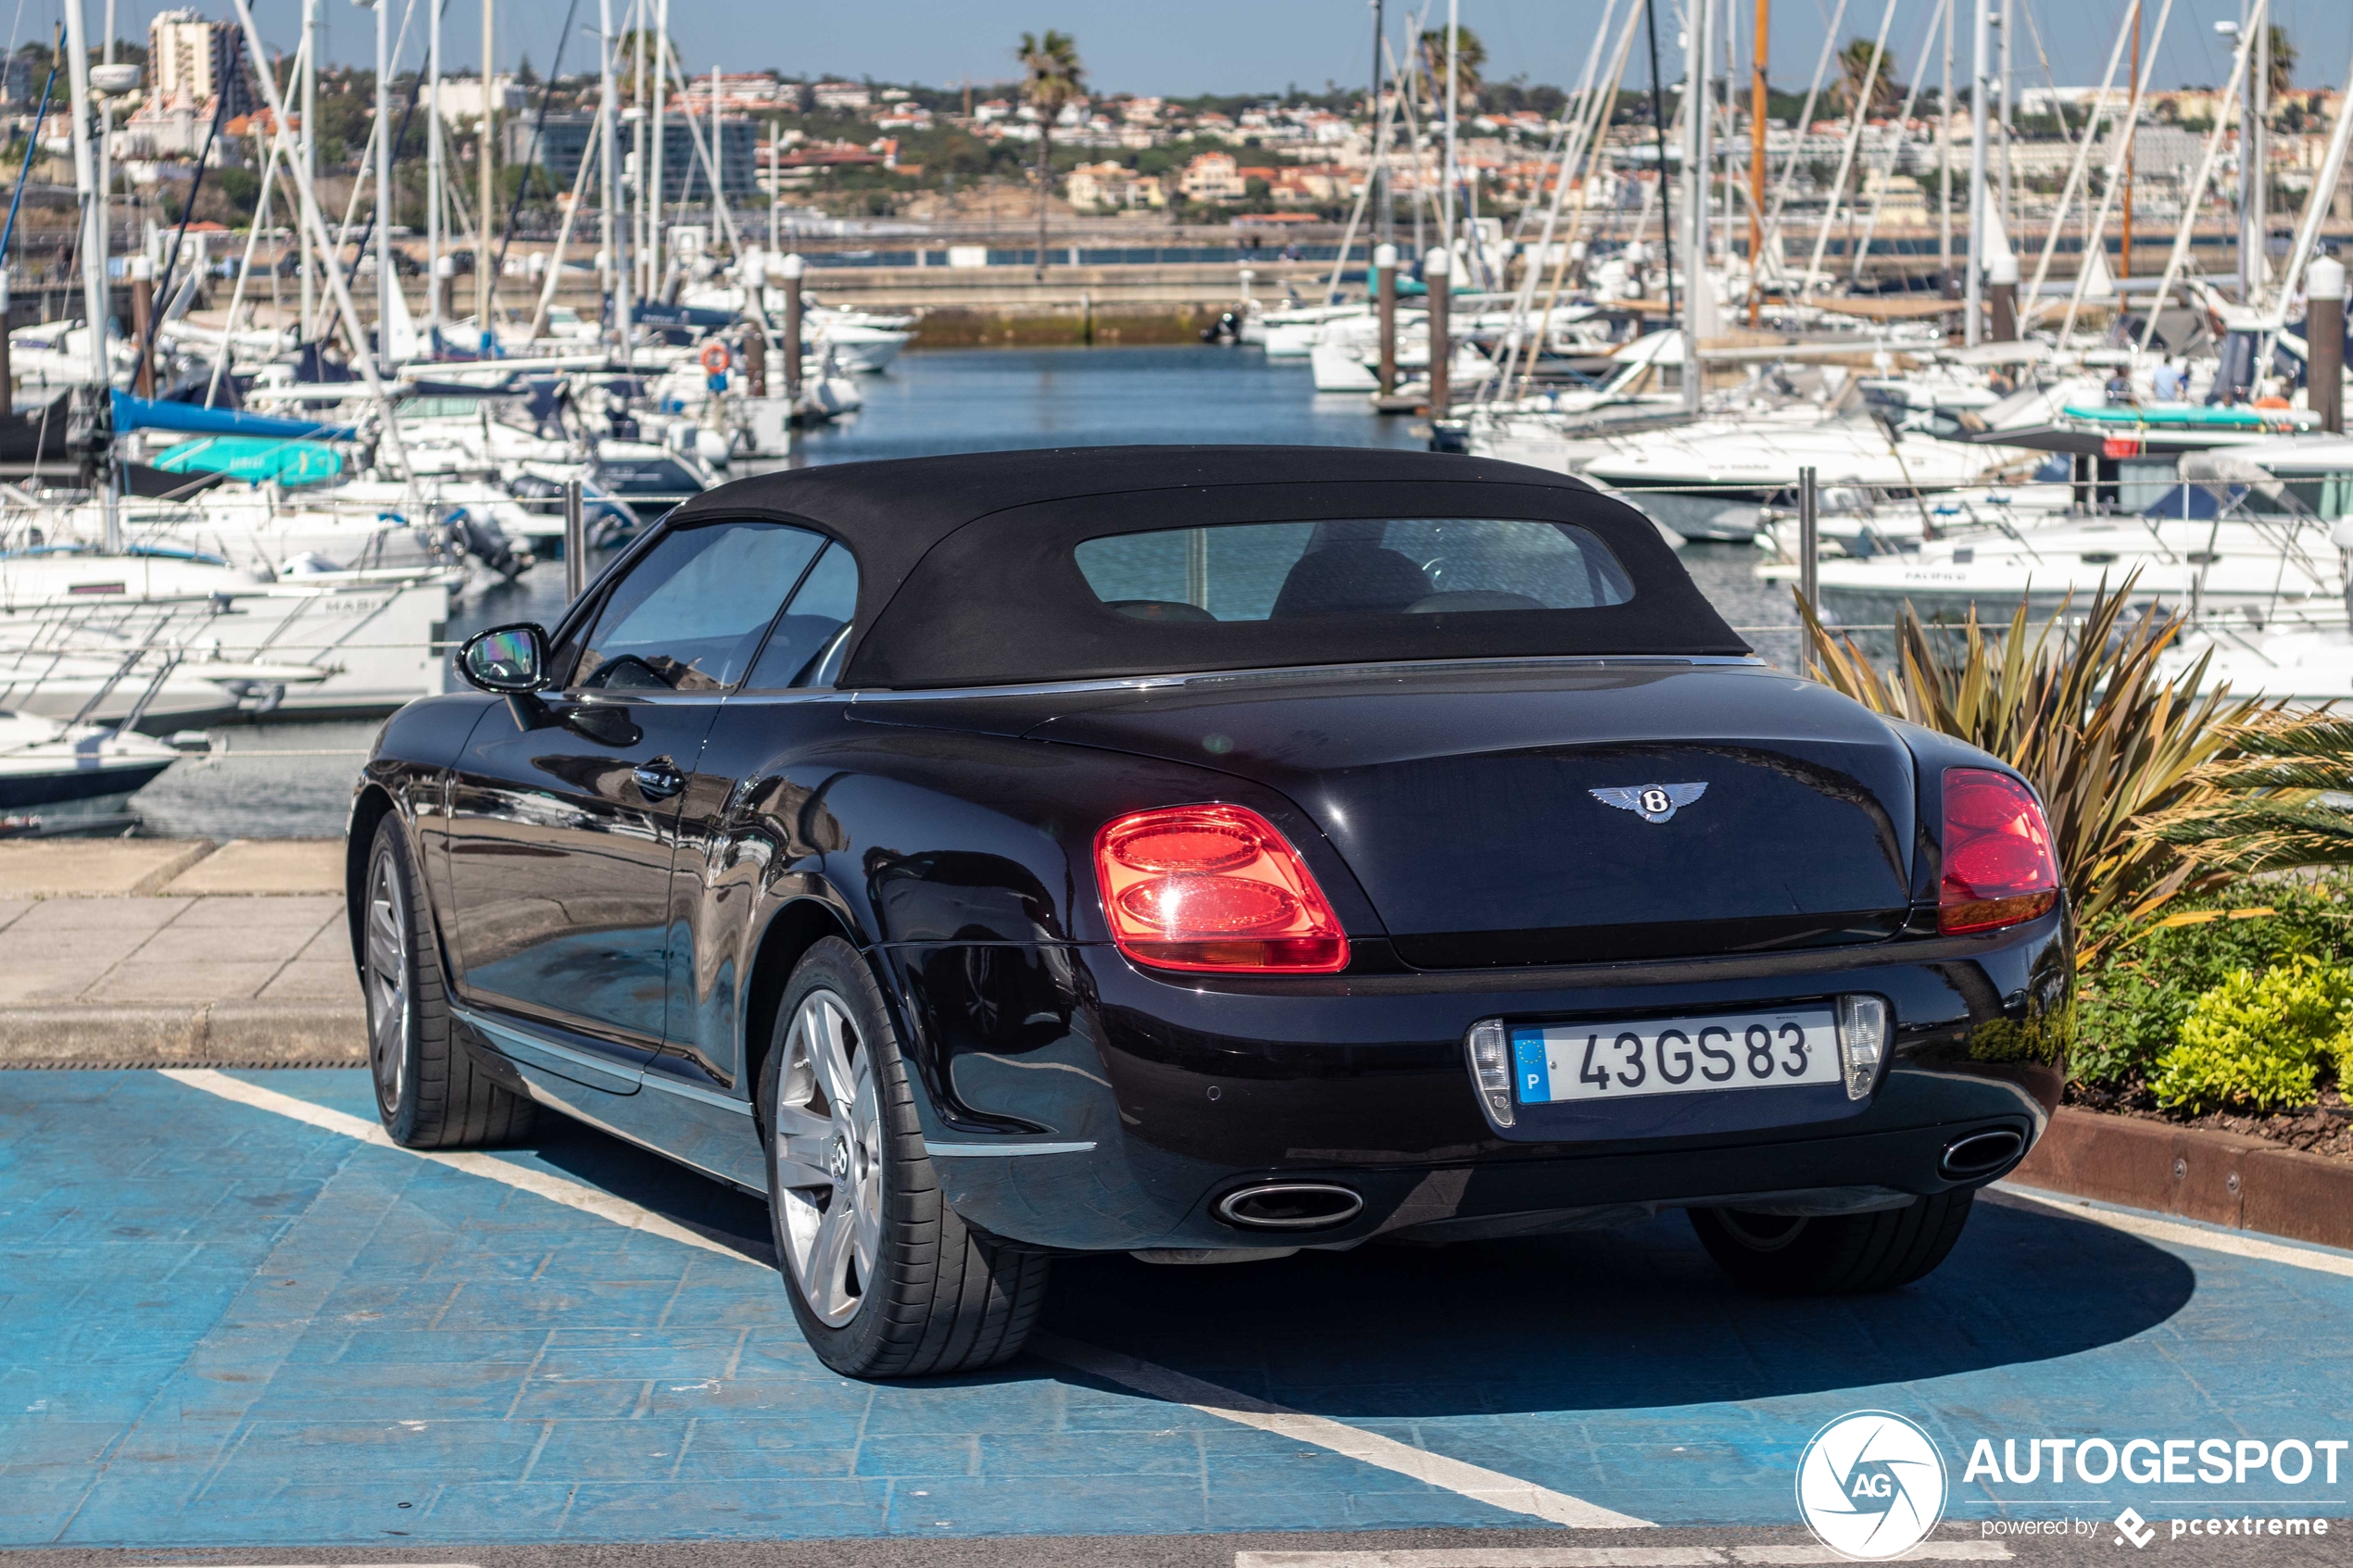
387 981
827 1127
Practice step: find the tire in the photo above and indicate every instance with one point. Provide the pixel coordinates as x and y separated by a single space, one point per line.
430 1091
1837 1255
885 1279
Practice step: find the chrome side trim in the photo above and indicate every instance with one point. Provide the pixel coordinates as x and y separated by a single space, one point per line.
702 1097
1150 683
606 1065
1007 1149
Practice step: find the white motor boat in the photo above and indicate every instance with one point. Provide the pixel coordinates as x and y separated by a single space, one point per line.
1291 332
57 354
2274 569
1707 479
56 777
325 645
2304 665
1346 357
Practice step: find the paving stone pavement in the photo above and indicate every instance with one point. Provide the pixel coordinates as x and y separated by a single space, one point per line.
224 980
176 949
220 1325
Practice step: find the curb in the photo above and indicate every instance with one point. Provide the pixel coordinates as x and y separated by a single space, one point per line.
156 881
178 1034
2220 1178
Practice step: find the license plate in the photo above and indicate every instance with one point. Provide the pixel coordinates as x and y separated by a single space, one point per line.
1674 1056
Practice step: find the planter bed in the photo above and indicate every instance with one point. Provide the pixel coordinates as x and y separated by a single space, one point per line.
2201 1171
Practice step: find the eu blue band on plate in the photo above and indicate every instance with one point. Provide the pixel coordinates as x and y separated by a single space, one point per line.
1535 1072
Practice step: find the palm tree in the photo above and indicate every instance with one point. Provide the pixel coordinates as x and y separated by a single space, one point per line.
1861 92
1470 60
1052 79
2283 63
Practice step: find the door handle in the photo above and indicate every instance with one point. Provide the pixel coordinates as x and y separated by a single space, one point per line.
658 778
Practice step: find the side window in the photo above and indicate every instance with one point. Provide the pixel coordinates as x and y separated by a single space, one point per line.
691 612
804 634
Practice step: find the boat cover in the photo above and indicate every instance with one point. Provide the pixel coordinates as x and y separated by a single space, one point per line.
256 460
146 413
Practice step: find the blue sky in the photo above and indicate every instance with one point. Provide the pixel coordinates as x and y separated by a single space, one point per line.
1249 45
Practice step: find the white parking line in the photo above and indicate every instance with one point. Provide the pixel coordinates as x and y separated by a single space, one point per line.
1927 1552
1504 1492
2236 1245
555 1189
1797 1556
1493 1557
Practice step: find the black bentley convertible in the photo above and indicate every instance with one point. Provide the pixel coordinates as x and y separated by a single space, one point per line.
1203 853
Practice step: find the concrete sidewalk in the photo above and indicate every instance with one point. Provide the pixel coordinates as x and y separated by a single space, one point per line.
156 952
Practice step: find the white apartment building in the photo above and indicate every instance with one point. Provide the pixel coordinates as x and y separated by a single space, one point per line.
461 97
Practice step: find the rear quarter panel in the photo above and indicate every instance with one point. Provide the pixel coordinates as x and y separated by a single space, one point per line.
963 862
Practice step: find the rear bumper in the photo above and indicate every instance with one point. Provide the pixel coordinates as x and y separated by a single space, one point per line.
1182 1092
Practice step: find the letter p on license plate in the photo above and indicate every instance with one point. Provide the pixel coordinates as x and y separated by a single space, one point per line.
1674 1056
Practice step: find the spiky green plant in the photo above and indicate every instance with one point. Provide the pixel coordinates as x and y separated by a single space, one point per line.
2154 784
2275 799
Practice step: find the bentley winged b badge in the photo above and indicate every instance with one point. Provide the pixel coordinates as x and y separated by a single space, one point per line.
1653 803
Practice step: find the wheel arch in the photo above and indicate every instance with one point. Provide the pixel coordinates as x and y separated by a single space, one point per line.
369 809
797 926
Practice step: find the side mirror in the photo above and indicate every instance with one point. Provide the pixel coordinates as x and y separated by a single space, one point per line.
509 660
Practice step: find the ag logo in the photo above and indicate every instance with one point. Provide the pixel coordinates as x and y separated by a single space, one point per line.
1870 1486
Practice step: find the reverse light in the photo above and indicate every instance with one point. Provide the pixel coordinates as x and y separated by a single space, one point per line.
1999 866
1490 1064
1862 1041
1216 888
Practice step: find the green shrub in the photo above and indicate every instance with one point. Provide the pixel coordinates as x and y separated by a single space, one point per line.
2260 1042
2138 996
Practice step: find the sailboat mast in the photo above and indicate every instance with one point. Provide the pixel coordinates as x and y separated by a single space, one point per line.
1383 219
1756 103
307 152
85 177
433 173
483 281
2009 209
387 276
638 146
2131 121
2254 264
1980 99
1695 154
659 156
1944 166
616 225
104 149
1658 143
1453 58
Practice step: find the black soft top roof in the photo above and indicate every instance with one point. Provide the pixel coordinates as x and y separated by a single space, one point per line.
966 575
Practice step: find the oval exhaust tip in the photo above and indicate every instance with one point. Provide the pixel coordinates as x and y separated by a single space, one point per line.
1980 1153
1289 1206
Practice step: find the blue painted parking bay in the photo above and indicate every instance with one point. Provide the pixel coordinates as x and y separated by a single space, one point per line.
223 1324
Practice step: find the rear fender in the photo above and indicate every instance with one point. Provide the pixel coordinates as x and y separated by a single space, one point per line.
964 863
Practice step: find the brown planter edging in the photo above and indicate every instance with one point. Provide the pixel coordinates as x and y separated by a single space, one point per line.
2223 1179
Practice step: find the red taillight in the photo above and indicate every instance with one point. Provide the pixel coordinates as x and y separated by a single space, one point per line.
2000 867
1214 887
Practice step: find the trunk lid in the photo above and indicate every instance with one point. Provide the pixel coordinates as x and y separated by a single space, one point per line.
1465 800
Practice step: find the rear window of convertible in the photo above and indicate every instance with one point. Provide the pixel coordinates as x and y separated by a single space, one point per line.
1352 569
